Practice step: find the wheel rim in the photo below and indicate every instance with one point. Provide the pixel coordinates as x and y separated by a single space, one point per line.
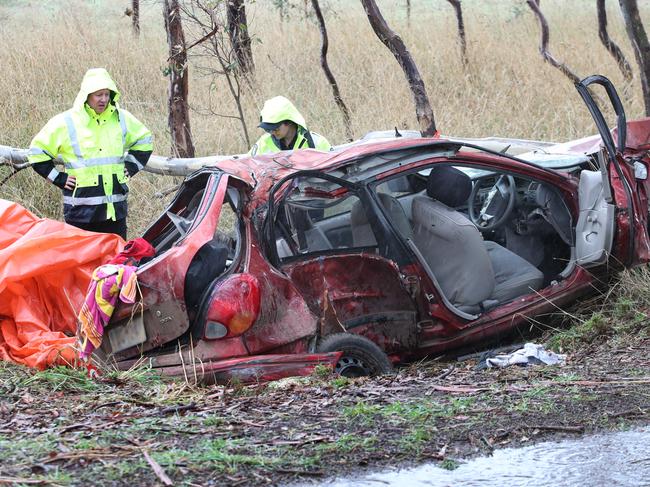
350 366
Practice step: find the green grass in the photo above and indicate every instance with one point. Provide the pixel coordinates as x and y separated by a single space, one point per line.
580 334
340 382
622 313
213 421
60 379
219 455
415 440
15 448
408 413
322 371
349 442
449 464
362 411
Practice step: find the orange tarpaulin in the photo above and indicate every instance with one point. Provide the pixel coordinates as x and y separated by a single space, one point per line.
45 268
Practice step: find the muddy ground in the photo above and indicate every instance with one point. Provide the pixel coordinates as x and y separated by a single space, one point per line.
60 428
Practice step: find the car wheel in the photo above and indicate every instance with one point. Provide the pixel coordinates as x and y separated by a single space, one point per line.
361 357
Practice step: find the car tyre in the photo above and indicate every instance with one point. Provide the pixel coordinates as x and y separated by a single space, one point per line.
361 357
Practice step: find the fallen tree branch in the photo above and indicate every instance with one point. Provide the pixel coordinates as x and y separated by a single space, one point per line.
166 166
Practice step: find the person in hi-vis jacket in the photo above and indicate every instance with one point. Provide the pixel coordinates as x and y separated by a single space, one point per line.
285 129
101 146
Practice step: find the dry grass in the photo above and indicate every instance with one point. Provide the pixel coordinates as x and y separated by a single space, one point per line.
507 90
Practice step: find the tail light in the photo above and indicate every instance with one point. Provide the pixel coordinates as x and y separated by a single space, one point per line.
234 307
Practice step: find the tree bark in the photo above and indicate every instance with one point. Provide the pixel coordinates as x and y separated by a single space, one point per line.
135 17
408 13
543 45
423 110
328 73
461 30
179 116
609 44
239 37
640 44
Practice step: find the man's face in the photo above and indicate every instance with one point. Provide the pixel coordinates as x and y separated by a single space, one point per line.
281 131
98 100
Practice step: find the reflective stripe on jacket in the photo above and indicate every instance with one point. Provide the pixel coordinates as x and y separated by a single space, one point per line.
93 148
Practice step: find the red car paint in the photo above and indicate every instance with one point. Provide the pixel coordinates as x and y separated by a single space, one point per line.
283 308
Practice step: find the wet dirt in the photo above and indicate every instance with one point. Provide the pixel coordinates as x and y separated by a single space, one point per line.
125 430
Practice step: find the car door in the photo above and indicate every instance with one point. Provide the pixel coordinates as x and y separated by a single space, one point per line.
317 232
613 220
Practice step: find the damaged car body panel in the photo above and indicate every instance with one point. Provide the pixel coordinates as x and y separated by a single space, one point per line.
382 251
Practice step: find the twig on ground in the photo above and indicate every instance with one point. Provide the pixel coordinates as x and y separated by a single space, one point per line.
177 409
446 373
568 429
157 469
628 412
316 473
18 480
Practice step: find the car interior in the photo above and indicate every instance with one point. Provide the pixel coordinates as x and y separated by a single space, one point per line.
217 255
484 237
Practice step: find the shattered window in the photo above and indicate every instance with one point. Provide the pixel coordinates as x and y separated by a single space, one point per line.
317 215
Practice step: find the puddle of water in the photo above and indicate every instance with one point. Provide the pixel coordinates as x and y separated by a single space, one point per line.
612 459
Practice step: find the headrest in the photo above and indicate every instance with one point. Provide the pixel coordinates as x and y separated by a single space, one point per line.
449 185
358 215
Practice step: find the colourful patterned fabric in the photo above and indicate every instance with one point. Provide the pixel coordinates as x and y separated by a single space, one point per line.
108 282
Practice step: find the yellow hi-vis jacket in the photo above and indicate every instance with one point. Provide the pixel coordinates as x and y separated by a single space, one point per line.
95 148
280 109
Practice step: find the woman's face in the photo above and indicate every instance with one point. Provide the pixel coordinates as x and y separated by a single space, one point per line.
99 100
282 131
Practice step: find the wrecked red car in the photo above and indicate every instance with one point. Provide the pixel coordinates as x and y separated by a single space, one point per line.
387 249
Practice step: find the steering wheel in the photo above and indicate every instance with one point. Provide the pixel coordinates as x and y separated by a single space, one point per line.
497 206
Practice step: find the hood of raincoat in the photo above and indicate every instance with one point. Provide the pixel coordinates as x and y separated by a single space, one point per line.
94 80
278 109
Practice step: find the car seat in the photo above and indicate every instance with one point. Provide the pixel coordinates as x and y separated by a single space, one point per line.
362 234
473 274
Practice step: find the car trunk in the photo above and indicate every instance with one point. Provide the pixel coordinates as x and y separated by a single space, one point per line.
191 252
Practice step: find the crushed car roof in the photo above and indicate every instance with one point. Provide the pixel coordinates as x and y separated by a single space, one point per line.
262 171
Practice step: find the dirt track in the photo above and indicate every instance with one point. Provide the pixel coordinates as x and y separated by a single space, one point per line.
60 428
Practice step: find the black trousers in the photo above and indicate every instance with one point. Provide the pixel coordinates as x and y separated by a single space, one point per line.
107 226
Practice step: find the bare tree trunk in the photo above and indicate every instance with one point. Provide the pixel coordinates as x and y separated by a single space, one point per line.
328 73
239 38
179 116
609 44
135 17
461 30
639 41
408 13
543 45
423 110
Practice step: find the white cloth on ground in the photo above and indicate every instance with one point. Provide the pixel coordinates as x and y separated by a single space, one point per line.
531 354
